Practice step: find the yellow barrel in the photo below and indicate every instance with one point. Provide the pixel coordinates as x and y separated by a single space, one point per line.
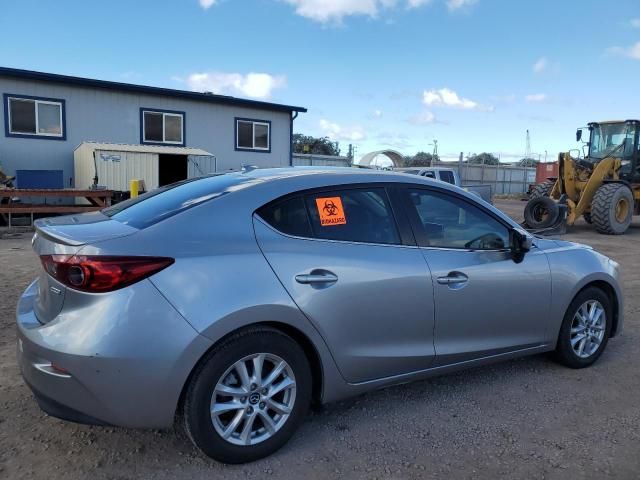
134 187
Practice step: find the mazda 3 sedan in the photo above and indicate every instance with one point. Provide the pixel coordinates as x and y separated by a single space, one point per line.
232 302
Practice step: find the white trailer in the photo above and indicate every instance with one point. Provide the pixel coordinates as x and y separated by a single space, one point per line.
115 165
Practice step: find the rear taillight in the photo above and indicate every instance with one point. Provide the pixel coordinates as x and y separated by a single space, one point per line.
98 274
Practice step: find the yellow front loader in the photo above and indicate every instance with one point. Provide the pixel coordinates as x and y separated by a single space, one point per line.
603 187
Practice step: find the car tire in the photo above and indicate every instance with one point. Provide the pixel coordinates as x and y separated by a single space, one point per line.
541 212
220 371
571 350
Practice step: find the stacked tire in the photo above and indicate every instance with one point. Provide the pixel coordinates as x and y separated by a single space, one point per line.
542 189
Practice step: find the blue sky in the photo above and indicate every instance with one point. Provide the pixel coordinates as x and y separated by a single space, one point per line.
473 74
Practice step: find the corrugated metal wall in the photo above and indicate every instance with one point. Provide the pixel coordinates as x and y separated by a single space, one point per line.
504 179
306 160
200 165
115 168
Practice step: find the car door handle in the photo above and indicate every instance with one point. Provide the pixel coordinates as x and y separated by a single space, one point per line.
453 278
309 278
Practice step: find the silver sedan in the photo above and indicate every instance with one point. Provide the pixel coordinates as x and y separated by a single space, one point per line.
232 302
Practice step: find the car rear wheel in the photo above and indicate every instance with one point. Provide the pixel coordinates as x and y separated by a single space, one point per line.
248 396
585 329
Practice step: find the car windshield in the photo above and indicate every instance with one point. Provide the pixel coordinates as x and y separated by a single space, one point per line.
612 140
164 202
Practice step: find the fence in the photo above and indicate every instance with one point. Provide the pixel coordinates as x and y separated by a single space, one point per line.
302 160
504 179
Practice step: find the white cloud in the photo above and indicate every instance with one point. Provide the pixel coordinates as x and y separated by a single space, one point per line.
328 11
423 118
417 3
255 85
458 4
448 98
376 114
541 65
631 52
337 132
536 97
635 22
325 11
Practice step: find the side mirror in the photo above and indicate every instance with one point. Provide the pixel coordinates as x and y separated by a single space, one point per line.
578 135
521 243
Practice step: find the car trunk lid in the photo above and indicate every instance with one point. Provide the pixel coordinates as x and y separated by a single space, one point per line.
67 236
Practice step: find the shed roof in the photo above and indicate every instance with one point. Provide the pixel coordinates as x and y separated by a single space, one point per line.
145 89
123 147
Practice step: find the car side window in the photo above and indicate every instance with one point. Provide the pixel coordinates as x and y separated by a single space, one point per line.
288 216
447 176
354 215
450 222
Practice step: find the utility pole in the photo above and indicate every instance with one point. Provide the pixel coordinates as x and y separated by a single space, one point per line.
527 152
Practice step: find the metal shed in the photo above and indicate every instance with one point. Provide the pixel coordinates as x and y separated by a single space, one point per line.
116 165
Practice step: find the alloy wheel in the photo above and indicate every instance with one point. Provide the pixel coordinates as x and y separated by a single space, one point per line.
588 328
253 399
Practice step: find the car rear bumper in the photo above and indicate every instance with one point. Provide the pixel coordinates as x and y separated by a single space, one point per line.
121 359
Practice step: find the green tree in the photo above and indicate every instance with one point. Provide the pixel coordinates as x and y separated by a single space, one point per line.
483 159
319 146
528 162
420 159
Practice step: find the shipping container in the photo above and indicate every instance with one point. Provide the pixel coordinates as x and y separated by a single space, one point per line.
115 165
544 171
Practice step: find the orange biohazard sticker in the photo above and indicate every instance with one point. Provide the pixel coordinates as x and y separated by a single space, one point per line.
331 211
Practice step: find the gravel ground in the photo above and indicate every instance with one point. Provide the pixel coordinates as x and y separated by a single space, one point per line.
528 418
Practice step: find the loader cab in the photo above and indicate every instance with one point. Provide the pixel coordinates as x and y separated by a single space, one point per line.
619 140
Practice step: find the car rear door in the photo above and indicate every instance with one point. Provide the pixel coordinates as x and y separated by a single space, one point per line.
486 303
356 275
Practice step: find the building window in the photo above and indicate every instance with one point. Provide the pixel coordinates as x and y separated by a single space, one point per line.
162 127
34 117
253 135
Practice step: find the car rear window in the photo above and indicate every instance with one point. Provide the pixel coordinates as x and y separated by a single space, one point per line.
164 202
288 216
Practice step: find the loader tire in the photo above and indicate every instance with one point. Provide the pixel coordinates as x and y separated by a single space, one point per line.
541 212
542 189
612 208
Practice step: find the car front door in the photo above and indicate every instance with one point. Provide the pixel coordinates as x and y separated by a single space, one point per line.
344 261
486 304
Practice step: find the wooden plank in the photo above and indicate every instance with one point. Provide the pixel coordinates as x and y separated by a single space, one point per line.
15 209
67 192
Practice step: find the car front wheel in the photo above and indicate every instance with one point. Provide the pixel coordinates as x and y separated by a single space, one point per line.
586 328
248 396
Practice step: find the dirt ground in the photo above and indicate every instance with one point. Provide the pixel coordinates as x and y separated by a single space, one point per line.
528 418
